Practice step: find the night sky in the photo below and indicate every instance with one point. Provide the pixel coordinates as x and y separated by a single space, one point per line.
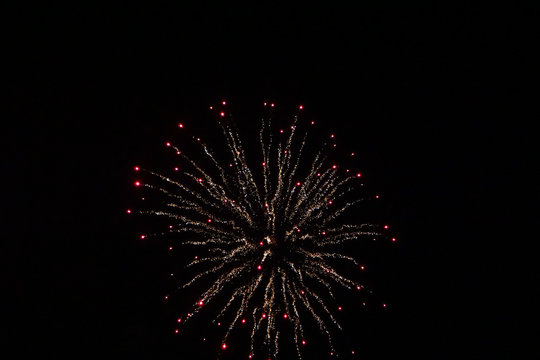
435 99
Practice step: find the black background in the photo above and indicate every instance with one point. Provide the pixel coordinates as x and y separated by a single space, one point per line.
435 98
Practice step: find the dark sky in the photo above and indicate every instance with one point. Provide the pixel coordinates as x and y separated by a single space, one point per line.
436 98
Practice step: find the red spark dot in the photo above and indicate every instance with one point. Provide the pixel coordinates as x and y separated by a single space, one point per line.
376 196
222 114
259 268
243 321
263 164
128 211
201 303
313 122
300 107
298 183
136 168
334 166
264 104
250 355
297 230
176 168
347 170
302 292
198 139
272 104
168 144
264 316
330 202
266 205
178 153
303 342
230 165
179 320
285 316
394 239
352 154
335 145
143 236
327 270
332 136
384 305
281 131
176 331
352 352
218 324
339 308
362 267
209 220
318 174
196 257
324 232
358 175
224 346
211 107
364 303
285 151
181 126
137 183
386 226
261 243
224 103
358 287
166 297
199 180
170 247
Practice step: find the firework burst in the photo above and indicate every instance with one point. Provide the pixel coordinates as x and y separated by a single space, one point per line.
272 233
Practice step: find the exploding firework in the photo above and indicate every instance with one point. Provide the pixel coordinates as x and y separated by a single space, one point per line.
272 233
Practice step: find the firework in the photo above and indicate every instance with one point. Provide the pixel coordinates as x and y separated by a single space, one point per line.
269 231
